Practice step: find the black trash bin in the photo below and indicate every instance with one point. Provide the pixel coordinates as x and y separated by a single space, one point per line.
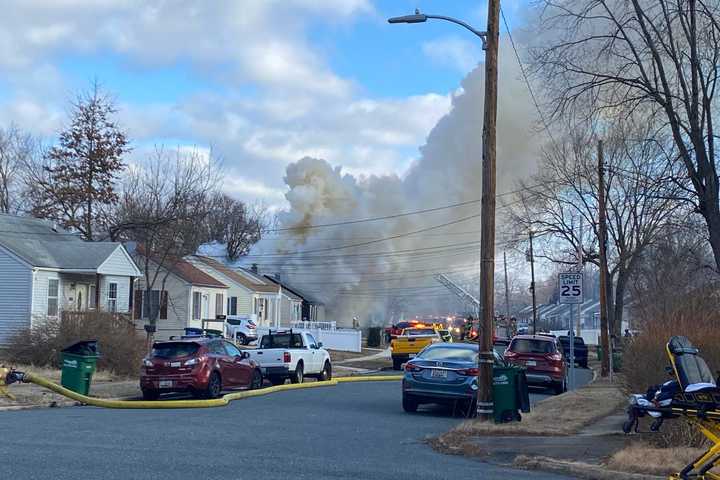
78 362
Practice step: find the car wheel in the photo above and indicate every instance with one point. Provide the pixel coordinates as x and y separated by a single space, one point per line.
397 364
257 380
150 394
242 339
297 377
277 380
560 387
410 405
214 387
326 373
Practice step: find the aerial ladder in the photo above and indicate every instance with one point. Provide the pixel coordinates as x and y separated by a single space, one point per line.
472 302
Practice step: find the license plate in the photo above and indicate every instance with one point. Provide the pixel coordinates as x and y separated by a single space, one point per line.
175 364
439 374
531 363
165 384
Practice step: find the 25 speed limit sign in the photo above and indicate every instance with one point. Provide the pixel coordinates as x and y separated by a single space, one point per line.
571 287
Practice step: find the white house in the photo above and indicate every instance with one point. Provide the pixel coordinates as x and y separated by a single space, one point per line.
46 270
182 296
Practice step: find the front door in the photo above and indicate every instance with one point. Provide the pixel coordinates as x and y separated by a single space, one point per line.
81 297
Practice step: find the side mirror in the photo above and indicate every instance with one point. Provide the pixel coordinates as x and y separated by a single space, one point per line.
244 355
319 344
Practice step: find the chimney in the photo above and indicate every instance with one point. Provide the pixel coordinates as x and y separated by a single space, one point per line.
254 268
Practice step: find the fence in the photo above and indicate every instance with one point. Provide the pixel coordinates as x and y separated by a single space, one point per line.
345 340
315 325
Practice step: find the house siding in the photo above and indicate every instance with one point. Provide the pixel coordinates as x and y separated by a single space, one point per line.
209 297
119 264
244 296
40 293
15 296
178 305
123 292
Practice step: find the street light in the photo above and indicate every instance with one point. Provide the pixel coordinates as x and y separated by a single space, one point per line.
490 40
422 18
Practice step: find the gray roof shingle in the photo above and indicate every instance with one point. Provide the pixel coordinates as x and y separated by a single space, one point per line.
36 242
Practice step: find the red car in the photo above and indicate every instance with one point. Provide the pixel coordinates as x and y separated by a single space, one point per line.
542 357
201 366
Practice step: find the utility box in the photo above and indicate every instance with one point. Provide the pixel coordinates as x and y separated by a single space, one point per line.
510 394
79 362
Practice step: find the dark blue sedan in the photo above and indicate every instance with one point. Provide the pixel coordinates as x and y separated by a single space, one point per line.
443 373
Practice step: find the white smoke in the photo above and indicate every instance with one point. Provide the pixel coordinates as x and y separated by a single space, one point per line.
366 281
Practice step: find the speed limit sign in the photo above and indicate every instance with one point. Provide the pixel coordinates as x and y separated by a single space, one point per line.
571 287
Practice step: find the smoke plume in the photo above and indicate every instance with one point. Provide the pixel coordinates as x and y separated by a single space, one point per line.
376 280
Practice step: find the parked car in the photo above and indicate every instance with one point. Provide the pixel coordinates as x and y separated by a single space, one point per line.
443 373
294 355
241 328
409 344
202 366
542 356
580 351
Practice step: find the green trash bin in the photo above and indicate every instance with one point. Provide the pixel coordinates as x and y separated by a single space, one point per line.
506 395
78 362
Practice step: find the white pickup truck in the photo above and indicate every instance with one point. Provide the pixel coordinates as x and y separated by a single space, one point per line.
294 355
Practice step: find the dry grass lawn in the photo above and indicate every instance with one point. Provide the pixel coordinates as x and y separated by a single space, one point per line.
643 458
561 415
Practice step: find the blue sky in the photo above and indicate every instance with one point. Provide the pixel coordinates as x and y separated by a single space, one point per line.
261 83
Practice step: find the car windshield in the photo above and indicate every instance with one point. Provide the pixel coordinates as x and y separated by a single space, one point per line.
174 349
282 340
526 345
449 354
419 332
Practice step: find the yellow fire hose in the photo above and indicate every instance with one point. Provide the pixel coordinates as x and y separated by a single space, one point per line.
5 375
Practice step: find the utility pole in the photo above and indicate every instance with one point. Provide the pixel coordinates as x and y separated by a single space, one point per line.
487 216
532 284
602 232
507 291
580 266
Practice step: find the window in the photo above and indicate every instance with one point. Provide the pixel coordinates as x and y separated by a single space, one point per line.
232 350
112 297
53 288
217 348
232 306
313 343
219 304
197 305
92 297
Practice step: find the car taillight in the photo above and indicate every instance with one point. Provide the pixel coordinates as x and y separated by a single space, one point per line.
286 357
555 357
470 372
410 367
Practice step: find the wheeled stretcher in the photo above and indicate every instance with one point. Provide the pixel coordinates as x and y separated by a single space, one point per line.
694 395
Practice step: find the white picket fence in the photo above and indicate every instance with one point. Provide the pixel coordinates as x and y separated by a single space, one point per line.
346 340
315 325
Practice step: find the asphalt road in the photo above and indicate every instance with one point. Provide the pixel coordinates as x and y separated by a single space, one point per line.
352 431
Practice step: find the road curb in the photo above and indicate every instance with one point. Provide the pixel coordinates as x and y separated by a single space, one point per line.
577 469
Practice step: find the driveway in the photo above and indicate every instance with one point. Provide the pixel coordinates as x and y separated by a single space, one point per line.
352 431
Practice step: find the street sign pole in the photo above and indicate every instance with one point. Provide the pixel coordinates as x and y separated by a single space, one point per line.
571 292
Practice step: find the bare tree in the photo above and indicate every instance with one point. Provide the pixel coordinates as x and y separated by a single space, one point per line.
83 168
659 55
162 207
17 152
233 223
641 197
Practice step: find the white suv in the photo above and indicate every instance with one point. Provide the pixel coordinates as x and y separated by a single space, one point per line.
241 328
